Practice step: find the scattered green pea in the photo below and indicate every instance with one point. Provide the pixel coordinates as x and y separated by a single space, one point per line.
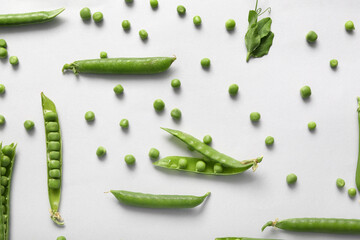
98 17
143 34
154 3
352 192
291 178
349 26
181 9
175 83
100 151
233 89
14 60
207 139
103 54
255 116
159 105
2 88
3 52
129 1
176 113
89 116
130 159
340 183
2 120
205 62
305 91
197 20
85 13
154 153
200 166
311 36
118 89
61 238
3 43
124 123
28 124
269 140
230 24
126 24
333 63
311 125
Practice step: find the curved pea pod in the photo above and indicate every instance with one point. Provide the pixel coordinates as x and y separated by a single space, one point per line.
146 200
17 19
243 238
318 225
149 65
211 154
53 157
188 164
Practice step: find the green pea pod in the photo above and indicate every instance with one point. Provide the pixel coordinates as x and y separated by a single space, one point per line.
158 201
243 238
150 65
53 157
357 175
7 158
28 18
210 153
318 225
264 46
188 164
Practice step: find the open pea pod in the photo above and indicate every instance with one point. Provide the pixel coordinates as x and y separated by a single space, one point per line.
190 164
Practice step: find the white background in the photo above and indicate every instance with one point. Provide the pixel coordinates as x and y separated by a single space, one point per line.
239 205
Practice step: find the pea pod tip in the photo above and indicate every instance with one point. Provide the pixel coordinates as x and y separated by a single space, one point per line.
268 224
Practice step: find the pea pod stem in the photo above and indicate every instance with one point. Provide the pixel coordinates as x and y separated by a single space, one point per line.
17 19
357 174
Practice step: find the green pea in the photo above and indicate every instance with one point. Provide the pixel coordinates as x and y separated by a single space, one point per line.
197 20
3 200
54 136
176 113
154 153
183 163
89 116
54 164
54 183
129 1
4 181
200 166
3 43
55 173
130 159
269 140
205 62
54 146
230 24
159 105
311 126
2 120
352 192
14 60
218 168
2 88
124 123
61 238
28 124
54 155
3 52
349 26
50 116
255 116
3 170
2 190
311 36
98 17
154 3
52 127
5 161
143 34
100 151
118 89
340 183
175 83
8 150
85 13
126 24
291 178
333 63
103 54
305 91
181 9
207 139
233 89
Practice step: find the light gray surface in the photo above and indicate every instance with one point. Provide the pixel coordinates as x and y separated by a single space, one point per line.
239 205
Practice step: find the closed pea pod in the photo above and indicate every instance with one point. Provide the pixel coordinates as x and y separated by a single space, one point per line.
28 18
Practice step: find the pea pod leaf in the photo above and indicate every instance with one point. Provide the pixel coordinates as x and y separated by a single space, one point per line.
264 46
252 17
264 26
252 40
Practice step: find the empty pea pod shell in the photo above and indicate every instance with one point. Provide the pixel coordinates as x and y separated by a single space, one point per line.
188 164
149 65
210 153
17 19
146 200
319 225
243 238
